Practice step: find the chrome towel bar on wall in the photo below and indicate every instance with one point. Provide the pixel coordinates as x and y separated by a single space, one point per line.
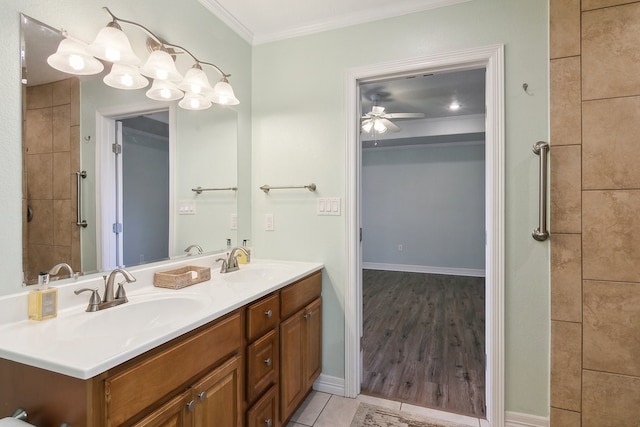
266 188
199 190
541 233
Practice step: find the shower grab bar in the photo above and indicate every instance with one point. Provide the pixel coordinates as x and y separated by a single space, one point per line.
311 187
541 233
199 190
80 175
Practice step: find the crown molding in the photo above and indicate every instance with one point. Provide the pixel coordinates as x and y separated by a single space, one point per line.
360 17
228 19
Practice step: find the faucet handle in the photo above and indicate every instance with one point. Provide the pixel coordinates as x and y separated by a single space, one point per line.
120 293
223 267
94 300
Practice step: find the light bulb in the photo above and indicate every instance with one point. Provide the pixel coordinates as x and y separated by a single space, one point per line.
76 62
194 103
165 93
379 126
367 126
126 80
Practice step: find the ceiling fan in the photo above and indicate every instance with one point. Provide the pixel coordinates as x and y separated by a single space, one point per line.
377 121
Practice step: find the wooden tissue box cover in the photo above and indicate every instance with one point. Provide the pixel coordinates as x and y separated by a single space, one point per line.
181 277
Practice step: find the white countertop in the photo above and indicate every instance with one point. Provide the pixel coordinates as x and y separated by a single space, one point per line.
82 344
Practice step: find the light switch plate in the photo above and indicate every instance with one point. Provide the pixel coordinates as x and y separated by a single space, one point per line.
187 207
328 206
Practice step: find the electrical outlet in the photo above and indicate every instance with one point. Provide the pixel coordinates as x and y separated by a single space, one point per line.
268 222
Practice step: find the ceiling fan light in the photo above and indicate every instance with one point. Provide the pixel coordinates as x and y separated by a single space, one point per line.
379 127
367 125
162 90
223 93
195 81
194 101
72 57
454 106
160 66
112 44
123 76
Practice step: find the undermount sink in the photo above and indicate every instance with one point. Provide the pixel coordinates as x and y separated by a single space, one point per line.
251 273
142 314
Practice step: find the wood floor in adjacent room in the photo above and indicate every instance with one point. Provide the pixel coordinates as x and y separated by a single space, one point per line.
424 340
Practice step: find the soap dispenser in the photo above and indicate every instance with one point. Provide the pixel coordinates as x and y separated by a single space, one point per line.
244 258
43 302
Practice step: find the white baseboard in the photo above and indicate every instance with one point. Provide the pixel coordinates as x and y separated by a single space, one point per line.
516 419
329 384
473 272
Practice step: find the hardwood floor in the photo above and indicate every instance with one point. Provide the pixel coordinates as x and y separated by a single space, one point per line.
424 340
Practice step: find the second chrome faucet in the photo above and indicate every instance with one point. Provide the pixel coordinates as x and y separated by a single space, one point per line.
231 263
109 298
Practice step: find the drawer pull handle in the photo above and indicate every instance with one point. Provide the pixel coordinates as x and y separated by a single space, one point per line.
268 422
307 315
202 395
268 313
191 405
268 362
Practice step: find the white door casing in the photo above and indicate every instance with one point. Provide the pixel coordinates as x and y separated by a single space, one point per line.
492 59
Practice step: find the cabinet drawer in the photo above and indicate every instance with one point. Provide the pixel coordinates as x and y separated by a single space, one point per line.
262 364
262 316
299 294
263 413
129 392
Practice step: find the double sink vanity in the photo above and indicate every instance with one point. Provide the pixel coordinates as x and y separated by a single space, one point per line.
242 348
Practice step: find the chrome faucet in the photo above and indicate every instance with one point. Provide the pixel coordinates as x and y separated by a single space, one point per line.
231 263
196 247
56 269
108 299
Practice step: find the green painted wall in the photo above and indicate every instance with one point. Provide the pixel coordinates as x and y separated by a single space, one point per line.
299 137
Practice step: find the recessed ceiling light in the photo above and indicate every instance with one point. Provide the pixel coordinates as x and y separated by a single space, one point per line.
454 106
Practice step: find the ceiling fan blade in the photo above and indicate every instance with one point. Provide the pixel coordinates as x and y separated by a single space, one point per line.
404 115
390 125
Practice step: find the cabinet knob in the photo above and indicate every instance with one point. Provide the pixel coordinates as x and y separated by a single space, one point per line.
191 405
268 362
268 313
307 315
268 422
202 395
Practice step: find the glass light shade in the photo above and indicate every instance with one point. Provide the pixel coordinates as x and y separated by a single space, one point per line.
123 76
160 66
195 81
111 44
72 57
223 94
367 126
193 101
162 90
379 127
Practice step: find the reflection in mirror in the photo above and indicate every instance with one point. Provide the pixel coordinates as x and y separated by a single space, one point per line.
69 126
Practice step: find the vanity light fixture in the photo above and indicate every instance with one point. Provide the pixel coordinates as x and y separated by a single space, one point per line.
124 76
112 45
72 57
164 90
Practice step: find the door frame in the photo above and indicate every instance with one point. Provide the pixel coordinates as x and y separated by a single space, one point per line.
492 59
105 167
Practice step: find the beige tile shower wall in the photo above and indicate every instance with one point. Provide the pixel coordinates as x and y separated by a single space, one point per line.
52 156
595 200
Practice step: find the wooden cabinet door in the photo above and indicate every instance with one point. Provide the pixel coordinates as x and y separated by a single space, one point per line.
174 413
218 396
264 412
292 377
312 355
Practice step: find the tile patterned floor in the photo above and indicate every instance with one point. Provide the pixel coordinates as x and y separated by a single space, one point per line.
327 410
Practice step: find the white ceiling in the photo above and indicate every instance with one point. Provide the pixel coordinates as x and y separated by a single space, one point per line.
263 21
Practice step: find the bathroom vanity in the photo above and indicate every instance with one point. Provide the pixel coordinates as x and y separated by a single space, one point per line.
248 357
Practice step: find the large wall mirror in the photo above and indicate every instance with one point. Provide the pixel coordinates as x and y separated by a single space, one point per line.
95 207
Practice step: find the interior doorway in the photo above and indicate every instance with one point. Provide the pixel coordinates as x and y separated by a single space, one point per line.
423 255
491 59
